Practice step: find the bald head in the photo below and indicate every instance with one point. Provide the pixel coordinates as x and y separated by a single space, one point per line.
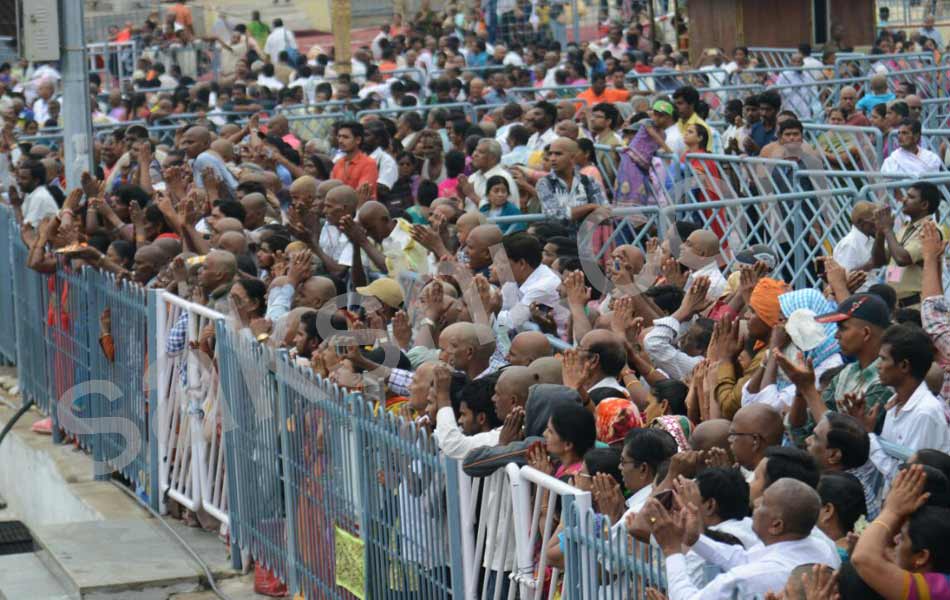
710 434
278 126
195 141
567 129
794 502
763 419
527 347
547 369
517 381
234 242
224 149
151 254
704 243
345 197
170 246
306 185
325 186
255 210
373 210
878 84
315 292
471 219
565 144
488 235
228 224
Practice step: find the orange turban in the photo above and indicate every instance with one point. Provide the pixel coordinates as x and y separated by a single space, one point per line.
764 300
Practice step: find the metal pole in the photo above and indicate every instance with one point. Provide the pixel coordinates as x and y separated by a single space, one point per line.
342 23
77 112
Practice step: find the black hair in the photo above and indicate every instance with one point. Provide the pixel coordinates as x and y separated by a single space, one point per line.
790 462
880 108
565 245
575 424
519 135
355 128
928 529
701 334
126 252
684 228
848 436
650 445
549 110
36 169
604 460
427 193
309 322
885 293
687 93
728 488
277 241
667 297
610 112
673 391
910 343
934 458
252 187
910 316
548 229
232 208
937 485
771 98
128 193
523 246
929 193
793 124
852 587
846 494
703 135
587 147
454 163
901 109
735 106
477 395
256 290
496 180
612 356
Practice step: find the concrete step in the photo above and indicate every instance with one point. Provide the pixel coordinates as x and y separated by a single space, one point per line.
25 576
127 559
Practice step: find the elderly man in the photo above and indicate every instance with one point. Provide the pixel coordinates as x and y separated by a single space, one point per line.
387 243
534 283
847 102
700 254
196 142
215 278
565 193
783 521
487 160
528 346
478 247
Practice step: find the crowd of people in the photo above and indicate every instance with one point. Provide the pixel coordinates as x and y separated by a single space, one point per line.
434 261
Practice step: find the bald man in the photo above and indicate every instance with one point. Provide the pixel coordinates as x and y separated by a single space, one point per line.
755 428
234 242
255 211
552 187
915 106
222 226
511 390
466 349
783 522
567 129
547 369
710 434
215 278
148 261
224 149
700 254
196 143
853 251
528 346
847 102
314 292
335 249
170 246
478 247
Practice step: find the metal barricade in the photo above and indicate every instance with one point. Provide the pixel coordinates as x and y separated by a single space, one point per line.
189 437
603 563
534 493
31 295
935 113
9 235
773 58
464 107
113 61
314 126
860 66
935 139
491 552
812 99
845 147
931 81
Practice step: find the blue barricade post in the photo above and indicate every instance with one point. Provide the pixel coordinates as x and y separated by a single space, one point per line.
9 235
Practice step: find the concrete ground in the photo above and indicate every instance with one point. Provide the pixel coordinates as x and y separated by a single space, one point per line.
92 539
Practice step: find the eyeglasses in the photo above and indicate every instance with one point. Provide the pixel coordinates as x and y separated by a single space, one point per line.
734 434
627 461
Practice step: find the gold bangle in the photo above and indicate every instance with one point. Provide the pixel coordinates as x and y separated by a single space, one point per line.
263 337
882 524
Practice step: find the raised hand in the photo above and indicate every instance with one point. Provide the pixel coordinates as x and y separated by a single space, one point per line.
301 267
856 406
578 294
907 492
578 369
607 495
538 459
513 428
801 375
884 219
695 299
402 331
932 243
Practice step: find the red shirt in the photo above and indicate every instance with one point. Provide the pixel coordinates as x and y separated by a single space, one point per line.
356 171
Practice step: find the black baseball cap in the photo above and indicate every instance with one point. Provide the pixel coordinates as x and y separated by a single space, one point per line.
866 307
757 252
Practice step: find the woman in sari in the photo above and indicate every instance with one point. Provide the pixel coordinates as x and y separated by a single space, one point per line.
919 565
707 179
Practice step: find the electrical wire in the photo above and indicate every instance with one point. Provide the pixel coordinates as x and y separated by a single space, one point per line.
14 419
194 555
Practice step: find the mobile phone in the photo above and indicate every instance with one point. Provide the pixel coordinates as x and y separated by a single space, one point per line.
616 264
820 269
665 498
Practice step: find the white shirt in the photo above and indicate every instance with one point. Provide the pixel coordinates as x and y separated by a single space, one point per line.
455 444
674 139
660 344
906 163
335 243
781 399
41 111
717 283
37 205
920 423
479 181
854 249
747 573
738 528
609 383
271 83
540 287
386 167
513 58
635 504
279 40
538 141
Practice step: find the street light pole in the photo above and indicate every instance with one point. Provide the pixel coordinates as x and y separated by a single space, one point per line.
77 109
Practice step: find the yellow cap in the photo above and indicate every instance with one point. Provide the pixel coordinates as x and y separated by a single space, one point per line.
386 289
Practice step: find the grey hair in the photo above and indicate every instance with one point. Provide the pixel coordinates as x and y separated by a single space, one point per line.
492 147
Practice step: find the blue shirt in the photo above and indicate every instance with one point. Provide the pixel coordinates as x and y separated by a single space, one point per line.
762 136
869 101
